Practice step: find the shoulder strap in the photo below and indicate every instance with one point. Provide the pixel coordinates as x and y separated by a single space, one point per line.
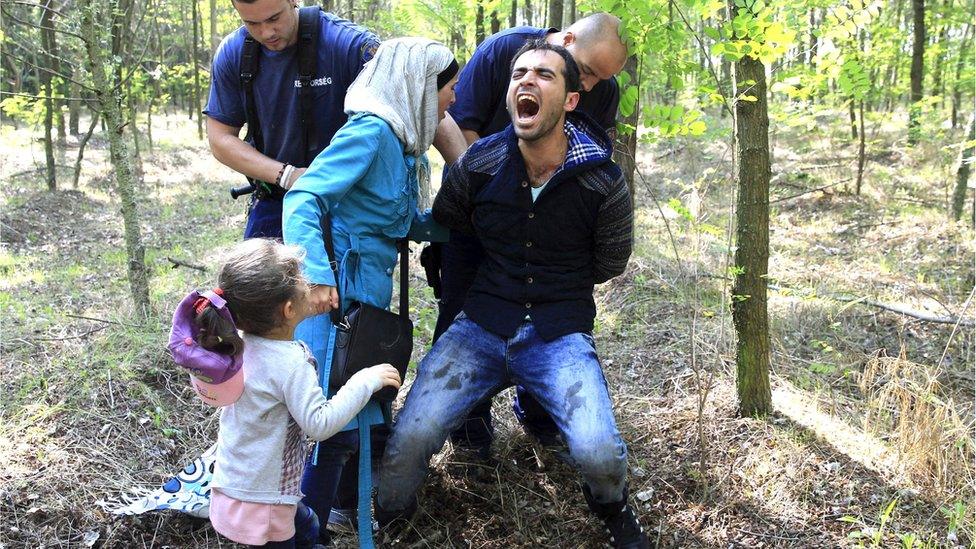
308 40
248 71
403 246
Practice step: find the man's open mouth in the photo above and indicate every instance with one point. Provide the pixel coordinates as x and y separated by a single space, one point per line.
526 106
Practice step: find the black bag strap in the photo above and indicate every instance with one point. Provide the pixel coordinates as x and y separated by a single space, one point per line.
403 246
308 39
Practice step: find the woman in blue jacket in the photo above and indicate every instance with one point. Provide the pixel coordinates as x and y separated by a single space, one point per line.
366 182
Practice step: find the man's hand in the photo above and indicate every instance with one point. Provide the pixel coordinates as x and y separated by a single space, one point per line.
322 299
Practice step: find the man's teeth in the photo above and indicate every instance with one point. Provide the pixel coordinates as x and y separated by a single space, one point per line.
526 97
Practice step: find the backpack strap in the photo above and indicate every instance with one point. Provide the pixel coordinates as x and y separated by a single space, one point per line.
248 71
308 40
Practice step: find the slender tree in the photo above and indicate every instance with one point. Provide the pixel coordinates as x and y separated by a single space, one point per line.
963 171
749 314
46 72
556 13
196 67
917 75
479 24
106 88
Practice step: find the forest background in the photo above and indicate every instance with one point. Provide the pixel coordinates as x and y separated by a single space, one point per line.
790 352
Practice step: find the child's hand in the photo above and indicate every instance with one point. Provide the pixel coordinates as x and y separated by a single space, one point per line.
387 374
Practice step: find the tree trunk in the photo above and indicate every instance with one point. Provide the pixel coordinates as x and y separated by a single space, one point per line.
196 67
81 148
479 24
625 151
74 108
957 86
812 48
527 11
513 16
104 78
496 23
962 173
850 108
46 75
860 153
556 14
749 314
917 74
214 37
938 84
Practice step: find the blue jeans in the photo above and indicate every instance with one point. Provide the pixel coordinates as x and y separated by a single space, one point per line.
469 364
460 260
321 482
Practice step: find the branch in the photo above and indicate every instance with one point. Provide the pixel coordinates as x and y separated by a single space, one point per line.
180 263
902 310
43 7
32 96
825 187
55 73
707 55
105 321
42 27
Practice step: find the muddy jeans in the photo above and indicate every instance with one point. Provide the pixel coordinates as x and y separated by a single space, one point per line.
468 364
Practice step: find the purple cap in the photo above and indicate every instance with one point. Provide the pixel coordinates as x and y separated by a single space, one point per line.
217 378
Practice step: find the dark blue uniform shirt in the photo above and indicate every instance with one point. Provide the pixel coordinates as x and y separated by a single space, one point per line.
342 49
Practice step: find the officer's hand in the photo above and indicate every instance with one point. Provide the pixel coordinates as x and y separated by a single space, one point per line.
322 298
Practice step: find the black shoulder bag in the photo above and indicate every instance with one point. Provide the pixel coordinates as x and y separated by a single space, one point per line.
368 335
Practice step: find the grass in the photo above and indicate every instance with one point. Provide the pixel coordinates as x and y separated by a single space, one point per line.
93 406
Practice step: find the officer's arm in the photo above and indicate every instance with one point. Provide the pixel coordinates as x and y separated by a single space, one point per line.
470 136
449 140
230 150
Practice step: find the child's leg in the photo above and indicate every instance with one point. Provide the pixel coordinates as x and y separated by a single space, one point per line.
320 482
306 527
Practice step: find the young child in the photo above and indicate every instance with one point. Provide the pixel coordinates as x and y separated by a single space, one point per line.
268 386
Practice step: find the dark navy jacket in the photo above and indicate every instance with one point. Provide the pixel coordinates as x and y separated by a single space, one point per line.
543 258
480 106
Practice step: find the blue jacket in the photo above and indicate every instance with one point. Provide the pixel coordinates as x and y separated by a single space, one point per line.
543 256
368 186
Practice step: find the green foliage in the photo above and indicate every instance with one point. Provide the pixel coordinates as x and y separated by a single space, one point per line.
25 109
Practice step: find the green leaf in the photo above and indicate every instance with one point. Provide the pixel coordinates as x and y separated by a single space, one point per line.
628 101
712 33
697 128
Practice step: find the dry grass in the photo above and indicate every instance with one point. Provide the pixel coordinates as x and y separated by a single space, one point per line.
906 404
92 409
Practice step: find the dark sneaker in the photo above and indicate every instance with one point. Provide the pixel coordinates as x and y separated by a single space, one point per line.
625 531
621 522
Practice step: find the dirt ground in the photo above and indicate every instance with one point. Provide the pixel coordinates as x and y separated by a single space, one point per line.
94 410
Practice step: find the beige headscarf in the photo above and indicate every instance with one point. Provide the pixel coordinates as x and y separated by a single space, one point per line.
400 86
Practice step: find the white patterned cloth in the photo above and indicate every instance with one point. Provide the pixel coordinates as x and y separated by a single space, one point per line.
400 86
188 491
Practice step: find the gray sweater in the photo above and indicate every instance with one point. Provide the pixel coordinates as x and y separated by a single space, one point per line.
261 450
